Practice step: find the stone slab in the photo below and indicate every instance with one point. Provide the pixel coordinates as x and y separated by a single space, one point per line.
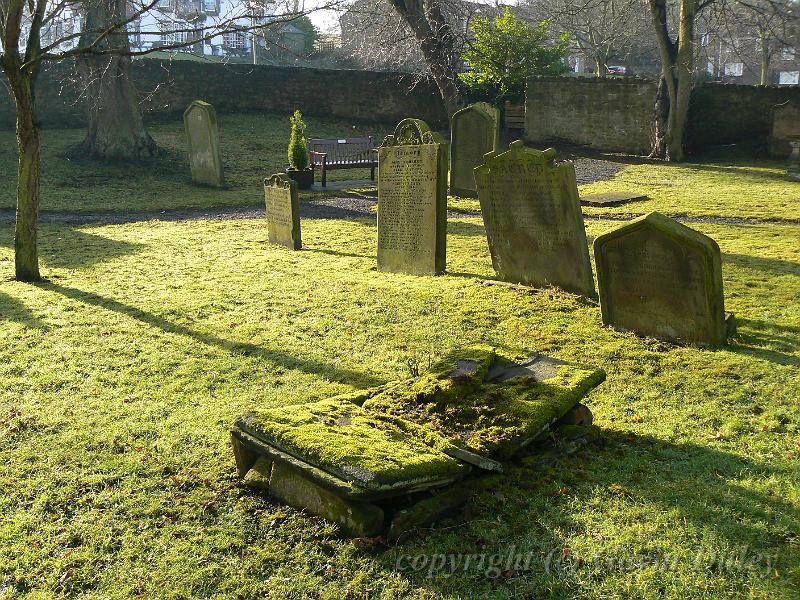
356 519
490 409
475 132
202 135
412 200
785 127
342 439
612 198
659 278
283 211
533 219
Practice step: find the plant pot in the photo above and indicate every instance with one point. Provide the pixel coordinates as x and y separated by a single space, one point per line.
303 177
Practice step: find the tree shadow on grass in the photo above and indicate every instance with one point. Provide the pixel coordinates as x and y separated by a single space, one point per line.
277 357
466 228
775 265
704 487
13 310
68 248
772 342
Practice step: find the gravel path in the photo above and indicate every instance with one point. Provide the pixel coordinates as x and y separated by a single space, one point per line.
587 170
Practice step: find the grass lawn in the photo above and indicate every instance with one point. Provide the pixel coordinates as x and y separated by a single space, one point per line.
253 146
121 375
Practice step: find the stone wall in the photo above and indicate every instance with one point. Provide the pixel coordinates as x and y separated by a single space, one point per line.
168 87
613 114
722 114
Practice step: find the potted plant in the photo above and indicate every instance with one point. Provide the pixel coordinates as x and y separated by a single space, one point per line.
299 159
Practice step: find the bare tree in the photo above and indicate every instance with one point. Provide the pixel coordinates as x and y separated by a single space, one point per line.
601 29
103 38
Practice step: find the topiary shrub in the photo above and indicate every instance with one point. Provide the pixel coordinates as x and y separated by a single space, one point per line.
298 144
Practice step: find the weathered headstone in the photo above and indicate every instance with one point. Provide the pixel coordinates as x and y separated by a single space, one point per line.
475 132
533 219
412 200
202 134
660 278
785 126
283 211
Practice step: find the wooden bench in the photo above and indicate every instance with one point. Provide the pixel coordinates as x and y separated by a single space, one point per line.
514 116
343 153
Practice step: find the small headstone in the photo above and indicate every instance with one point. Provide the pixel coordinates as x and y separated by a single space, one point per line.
283 211
475 132
793 170
785 126
202 134
611 198
533 219
659 278
412 200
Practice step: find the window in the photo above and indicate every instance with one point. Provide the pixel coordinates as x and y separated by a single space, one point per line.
234 39
174 32
163 3
787 53
210 6
789 78
705 40
734 69
710 68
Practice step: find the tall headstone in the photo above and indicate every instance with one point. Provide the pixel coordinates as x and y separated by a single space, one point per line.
660 278
532 214
283 211
475 132
202 134
785 127
412 200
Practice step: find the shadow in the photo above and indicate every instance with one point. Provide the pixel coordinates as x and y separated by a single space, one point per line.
12 309
466 228
345 208
767 341
762 264
617 477
338 253
68 248
740 171
356 379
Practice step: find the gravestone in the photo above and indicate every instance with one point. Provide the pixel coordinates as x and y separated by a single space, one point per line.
475 132
532 214
202 134
659 278
283 211
785 127
412 200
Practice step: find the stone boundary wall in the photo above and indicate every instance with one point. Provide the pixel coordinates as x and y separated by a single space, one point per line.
611 114
615 114
168 87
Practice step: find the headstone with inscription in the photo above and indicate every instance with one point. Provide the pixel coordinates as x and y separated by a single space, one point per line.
202 134
412 200
660 278
283 211
785 127
475 132
532 214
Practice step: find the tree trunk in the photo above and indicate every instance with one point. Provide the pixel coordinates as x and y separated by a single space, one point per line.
765 57
116 130
665 129
436 40
685 75
29 144
661 118
600 66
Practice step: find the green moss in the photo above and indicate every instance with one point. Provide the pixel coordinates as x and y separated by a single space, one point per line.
344 440
488 418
